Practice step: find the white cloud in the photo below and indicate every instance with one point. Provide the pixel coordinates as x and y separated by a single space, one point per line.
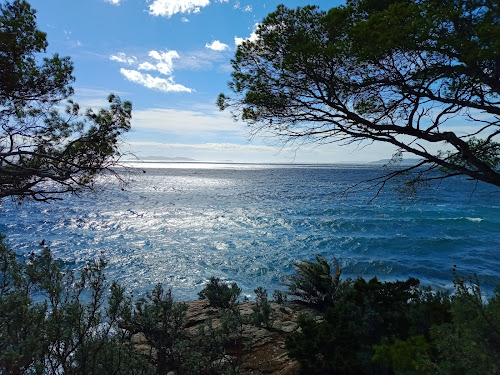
248 8
204 59
236 5
184 19
167 8
155 83
217 46
147 66
165 61
212 151
252 38
161 62
123 58
114 2
213 135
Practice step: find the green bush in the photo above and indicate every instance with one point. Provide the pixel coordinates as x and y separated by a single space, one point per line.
280 297
262 311
162 322
79 324
470 342
58 332
369 313
315 284
220 294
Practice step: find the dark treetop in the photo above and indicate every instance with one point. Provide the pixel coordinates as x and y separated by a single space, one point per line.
395 71
44 152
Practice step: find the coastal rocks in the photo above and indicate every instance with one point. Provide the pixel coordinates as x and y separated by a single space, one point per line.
256 350
263 347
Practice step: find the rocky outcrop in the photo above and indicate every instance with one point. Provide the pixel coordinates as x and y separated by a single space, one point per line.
261 350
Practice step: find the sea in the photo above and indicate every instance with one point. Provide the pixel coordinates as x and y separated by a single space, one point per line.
181 223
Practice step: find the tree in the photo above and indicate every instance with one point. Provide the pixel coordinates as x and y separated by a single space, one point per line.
44 152
394 71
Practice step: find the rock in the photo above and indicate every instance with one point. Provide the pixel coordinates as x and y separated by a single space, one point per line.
257 350
286 326
198 312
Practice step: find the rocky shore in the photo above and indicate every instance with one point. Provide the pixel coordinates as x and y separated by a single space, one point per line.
263 348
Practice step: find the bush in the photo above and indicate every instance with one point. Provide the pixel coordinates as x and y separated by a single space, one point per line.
369 313
279 296
59 333
77 325
162 322
262 311
315 284
470 342
220 294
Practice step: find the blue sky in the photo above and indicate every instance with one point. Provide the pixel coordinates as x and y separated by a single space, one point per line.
171 58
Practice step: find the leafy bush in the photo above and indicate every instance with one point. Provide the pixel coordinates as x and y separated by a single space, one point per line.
220 294
162 322
470 342
262 311
314 282
76 325
58 332
369 313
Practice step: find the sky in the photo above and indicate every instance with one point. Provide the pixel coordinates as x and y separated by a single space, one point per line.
171 59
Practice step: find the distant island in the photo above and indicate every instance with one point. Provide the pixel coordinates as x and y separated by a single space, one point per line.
403 161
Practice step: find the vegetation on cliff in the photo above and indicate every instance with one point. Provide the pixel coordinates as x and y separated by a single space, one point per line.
54 320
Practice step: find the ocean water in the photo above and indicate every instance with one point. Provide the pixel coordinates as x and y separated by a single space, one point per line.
181 223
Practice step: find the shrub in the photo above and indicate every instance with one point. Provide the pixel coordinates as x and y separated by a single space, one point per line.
315 284
279 297
262 311
470 342
220 294
162 322
58 332
368 314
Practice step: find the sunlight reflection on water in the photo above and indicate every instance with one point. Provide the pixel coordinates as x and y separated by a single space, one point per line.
185 222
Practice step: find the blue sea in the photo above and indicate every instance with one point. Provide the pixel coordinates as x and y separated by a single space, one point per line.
181 223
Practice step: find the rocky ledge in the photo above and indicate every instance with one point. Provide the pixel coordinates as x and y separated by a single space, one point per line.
263 347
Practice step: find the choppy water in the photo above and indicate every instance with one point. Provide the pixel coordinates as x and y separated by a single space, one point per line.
182 223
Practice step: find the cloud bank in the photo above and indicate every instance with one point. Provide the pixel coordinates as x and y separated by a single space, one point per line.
155 83
160 62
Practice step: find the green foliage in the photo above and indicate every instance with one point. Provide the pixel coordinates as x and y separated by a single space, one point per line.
162 322
279 296
53 320
43 151
220 294
204 351
487 151
262 311
470 343
402 356
314 282
369 314
399 328
395 71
